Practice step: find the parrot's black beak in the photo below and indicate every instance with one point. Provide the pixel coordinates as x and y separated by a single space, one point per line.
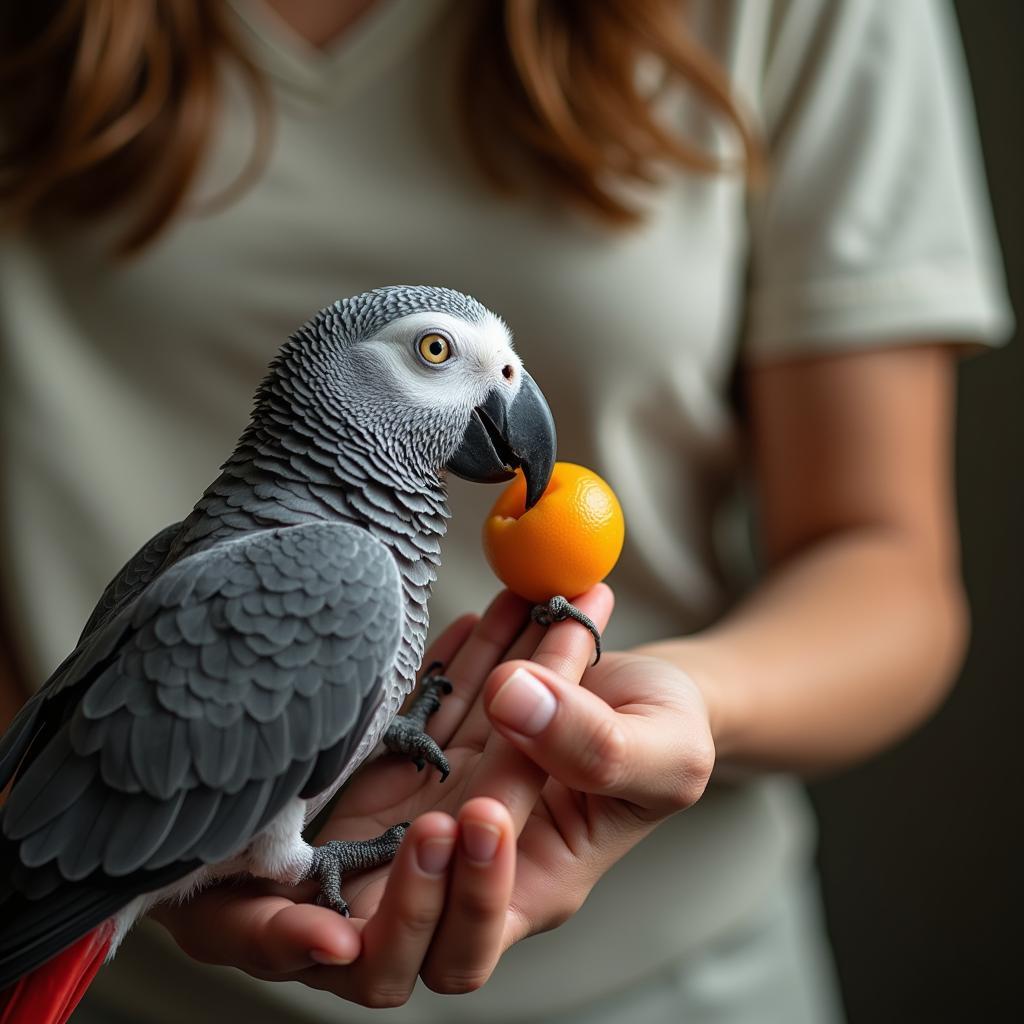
501 438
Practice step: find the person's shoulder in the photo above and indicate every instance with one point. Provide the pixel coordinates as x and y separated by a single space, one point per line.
810 29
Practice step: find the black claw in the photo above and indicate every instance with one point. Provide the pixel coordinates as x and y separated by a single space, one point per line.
406 733
558 609
334 858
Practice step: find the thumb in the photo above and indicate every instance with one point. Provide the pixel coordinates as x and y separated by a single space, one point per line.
568 731
657 757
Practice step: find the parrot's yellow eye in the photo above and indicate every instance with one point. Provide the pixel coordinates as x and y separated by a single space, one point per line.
435 348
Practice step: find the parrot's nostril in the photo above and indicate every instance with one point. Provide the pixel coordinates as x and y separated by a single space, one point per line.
507 372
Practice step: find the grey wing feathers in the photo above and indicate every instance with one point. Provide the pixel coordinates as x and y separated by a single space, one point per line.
140 569
240 668
132 578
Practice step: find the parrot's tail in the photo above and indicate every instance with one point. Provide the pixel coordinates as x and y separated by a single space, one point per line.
50 993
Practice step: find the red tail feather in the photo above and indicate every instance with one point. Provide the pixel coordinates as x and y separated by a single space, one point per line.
50 993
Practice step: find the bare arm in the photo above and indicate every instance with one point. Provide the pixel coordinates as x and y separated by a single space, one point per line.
858 630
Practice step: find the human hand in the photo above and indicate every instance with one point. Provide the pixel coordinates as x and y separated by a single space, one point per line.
418 913
609 761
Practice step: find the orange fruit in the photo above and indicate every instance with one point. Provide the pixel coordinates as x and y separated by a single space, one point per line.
570 540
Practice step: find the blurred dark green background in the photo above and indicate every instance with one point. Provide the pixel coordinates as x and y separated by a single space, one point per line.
922 852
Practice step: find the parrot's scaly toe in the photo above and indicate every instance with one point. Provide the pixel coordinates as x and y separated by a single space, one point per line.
406 733
334 858
558 609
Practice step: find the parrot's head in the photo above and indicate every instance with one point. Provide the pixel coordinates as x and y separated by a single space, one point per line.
432 373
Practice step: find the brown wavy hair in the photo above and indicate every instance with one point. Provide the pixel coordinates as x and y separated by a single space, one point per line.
106 104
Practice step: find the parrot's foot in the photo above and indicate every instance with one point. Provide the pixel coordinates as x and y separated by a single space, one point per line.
406 733
333 859
558 609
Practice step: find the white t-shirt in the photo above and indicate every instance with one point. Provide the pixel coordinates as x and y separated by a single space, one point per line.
125 384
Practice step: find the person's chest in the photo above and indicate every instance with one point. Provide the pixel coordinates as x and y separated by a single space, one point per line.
376 186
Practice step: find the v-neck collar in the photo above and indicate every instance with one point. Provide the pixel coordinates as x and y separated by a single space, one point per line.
378 38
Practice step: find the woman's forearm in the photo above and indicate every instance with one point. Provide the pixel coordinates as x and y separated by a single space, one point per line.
843 649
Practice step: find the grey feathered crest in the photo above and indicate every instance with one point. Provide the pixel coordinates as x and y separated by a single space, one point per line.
361 316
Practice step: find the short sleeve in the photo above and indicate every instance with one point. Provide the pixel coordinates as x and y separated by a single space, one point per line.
875 226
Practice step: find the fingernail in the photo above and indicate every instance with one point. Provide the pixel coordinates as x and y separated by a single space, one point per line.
524 703
321 956
480 841
433 855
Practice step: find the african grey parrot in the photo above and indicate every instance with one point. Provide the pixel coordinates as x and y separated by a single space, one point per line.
247 659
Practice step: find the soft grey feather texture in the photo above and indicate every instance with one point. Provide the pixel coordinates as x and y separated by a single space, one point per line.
137 572
245 656
222 684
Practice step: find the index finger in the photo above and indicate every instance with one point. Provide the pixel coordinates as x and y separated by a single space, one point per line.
558 647
567 648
